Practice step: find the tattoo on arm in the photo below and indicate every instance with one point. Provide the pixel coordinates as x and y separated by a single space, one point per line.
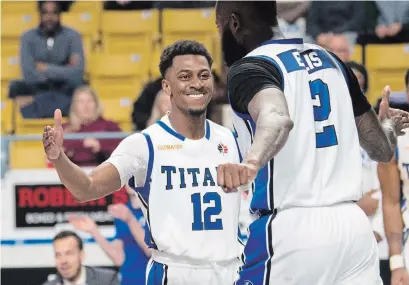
377 139
269 110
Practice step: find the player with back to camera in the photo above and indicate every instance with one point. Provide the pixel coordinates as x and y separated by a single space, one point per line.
300 116
172 165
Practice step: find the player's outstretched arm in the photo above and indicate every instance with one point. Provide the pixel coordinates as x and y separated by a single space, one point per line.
389 179
268 108
102 181
388 174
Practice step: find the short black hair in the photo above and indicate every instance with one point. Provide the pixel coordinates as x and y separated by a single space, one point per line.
41 3
407 77
65 234
185 47
361 69
258 11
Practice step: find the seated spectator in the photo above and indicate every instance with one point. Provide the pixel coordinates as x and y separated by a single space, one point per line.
393 21
340 45
129 250
52 64
328 18
126 5
69 255
86 116
291 18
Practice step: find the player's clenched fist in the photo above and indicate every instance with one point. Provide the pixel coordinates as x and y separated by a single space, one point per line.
54 137
230 175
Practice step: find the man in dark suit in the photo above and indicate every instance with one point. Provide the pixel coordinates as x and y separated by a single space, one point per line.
69 255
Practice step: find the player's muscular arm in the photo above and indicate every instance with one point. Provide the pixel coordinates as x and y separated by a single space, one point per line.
388 174
269 110
377 138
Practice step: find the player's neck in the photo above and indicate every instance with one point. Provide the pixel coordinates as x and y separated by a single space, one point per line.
191 127
259 38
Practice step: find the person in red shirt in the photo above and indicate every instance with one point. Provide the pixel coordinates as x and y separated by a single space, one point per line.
86 116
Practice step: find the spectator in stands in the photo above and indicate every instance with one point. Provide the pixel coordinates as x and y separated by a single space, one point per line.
160 107
85 116
142 107
126 5
393 21
334 17
291 18
128 251
69 255
361 74
52 64
341 46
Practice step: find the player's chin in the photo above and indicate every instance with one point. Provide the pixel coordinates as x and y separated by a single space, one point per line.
196 112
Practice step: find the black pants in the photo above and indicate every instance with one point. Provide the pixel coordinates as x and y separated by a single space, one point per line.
21 88
47 98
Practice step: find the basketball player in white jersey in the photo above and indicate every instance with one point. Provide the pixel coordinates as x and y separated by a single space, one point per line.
172 164
395 206
299 115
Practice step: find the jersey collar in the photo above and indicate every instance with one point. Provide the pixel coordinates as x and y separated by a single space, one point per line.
293 41
165 124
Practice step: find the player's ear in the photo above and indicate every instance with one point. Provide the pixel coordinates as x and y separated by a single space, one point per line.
234 23
166 87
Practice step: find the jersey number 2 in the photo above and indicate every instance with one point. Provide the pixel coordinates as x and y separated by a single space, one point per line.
200 224
328 136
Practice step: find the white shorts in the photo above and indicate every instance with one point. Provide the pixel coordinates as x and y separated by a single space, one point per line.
312 246
162 274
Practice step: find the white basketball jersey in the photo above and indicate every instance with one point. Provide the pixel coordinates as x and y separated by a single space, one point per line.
320 163
189 216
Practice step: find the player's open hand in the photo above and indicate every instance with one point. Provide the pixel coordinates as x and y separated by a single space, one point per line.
230 175
53 137
400 118
400 277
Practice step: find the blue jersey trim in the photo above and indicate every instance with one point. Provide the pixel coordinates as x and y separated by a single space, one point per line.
144 191
170 131
157 274
293 41
179 136
207 135
397 154
237 145
257 253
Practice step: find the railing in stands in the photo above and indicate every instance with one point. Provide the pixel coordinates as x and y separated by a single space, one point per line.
6 139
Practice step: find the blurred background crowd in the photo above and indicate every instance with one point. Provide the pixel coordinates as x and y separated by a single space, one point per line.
98 62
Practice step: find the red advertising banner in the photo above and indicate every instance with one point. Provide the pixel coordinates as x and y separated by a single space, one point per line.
47 204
